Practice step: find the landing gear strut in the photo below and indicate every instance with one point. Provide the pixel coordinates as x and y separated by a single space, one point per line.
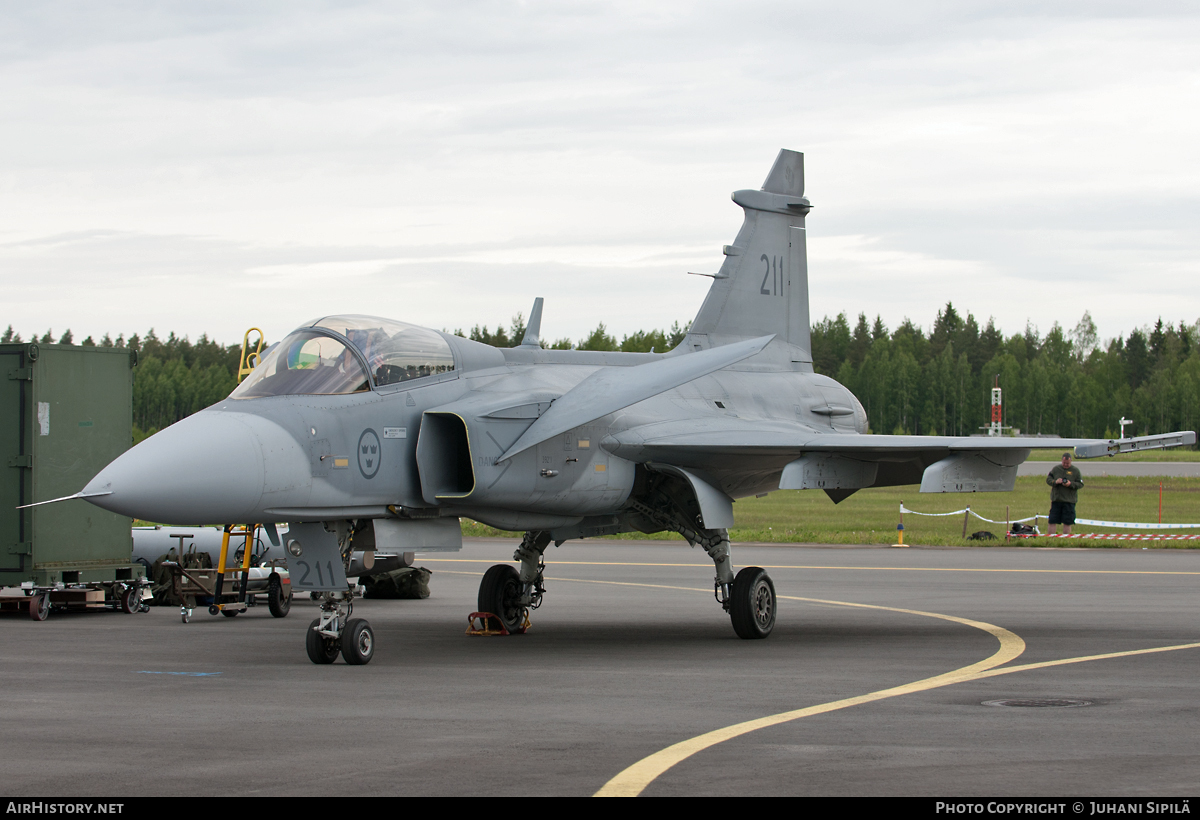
749 598
509 594
335 631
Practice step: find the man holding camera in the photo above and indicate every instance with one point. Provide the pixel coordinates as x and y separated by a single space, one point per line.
1064 481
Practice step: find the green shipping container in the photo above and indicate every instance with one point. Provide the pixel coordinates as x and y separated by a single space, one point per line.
65 413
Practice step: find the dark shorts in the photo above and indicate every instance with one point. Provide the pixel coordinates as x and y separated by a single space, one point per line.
1062 513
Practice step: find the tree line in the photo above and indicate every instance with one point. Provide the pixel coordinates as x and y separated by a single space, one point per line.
1065 383
173 378
910 382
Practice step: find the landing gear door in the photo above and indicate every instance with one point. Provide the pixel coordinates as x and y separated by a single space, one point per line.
314 560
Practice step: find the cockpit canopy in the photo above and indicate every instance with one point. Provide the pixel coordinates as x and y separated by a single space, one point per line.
346 354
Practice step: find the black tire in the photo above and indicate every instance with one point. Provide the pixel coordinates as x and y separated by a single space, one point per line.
358 642
230 613
499 593
753 605
320 649
278 601
131 600
39 606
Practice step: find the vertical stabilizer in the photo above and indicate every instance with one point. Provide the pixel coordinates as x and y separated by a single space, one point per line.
762 287
533 330
787 174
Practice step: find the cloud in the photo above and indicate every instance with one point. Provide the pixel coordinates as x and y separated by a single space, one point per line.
1022 160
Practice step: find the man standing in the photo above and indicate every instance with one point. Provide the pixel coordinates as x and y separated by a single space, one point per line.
1064 481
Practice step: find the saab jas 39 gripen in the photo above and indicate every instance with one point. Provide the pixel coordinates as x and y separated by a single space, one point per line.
372 434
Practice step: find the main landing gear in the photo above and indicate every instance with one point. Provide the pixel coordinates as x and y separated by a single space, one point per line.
749 598
751 603
509 594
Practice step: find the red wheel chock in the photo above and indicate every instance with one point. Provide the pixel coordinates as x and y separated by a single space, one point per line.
485 623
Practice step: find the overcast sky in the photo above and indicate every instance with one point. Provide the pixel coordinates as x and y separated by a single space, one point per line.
208 166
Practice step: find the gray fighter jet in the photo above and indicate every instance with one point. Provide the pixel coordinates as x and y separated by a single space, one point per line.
366 433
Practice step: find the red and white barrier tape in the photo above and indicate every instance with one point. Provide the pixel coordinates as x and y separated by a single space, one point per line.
1085 522
904 509
1110 535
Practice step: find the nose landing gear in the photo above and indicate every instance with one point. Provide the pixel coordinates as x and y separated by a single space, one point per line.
321 556
321 648
335 631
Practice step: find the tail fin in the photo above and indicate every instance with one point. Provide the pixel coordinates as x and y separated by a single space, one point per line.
762 288
533 330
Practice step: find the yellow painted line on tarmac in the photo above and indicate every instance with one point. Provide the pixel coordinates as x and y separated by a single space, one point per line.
1083 659
815 566
633 780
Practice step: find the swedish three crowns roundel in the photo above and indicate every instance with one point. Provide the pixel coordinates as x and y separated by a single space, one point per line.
369 453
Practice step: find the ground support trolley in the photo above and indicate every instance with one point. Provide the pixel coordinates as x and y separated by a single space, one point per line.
39 601
246 586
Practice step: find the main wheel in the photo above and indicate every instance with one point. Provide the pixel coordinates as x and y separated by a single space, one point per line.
320 649
752 604
500 594
131 600
358 642
39 607
278 601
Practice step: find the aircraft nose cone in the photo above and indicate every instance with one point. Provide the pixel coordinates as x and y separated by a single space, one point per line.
206 469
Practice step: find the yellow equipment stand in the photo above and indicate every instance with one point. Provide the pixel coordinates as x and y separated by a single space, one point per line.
250 531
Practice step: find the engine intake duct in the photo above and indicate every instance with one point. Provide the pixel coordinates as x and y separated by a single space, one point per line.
444 457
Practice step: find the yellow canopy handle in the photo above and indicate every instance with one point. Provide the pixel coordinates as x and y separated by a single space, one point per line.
244 363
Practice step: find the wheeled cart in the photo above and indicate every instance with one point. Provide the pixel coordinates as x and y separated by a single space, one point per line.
39 601
247 586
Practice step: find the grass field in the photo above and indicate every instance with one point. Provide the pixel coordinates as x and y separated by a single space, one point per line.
871 516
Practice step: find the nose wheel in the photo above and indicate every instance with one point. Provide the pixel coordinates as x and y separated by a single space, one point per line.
336 632
321 648
358 642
